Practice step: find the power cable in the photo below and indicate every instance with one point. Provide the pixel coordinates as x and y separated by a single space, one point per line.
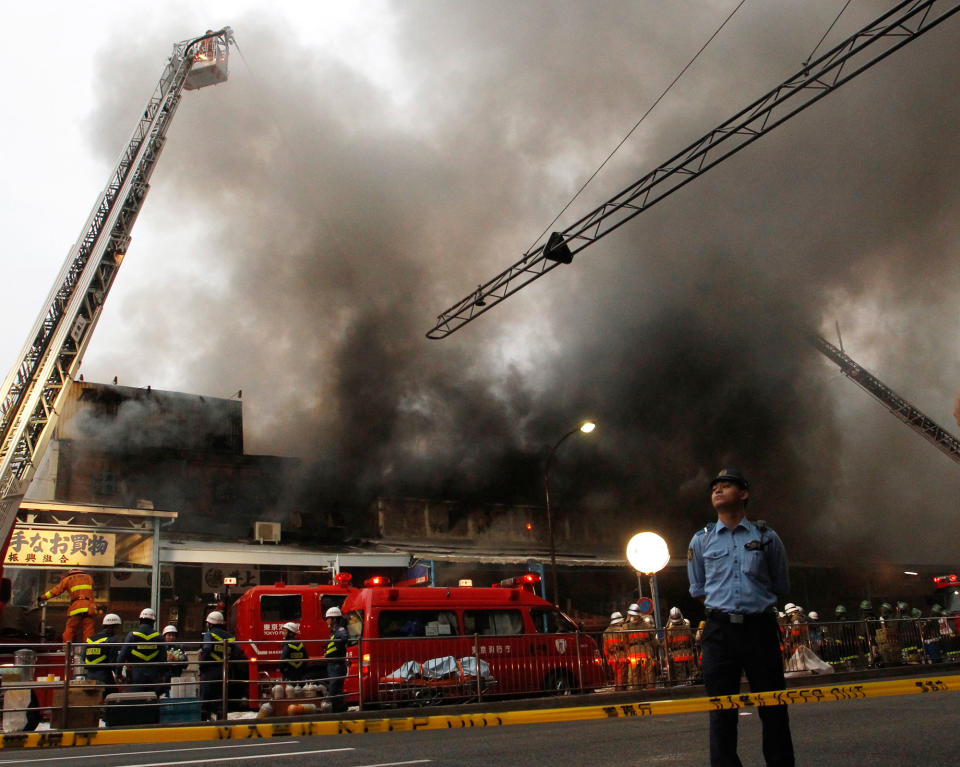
642 118
810 57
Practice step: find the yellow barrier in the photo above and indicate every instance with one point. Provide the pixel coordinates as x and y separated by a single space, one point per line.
253 730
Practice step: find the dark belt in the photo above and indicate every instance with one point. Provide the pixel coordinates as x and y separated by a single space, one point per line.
722 617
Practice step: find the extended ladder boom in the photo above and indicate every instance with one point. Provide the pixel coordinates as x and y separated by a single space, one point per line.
899 26
925 426
32 391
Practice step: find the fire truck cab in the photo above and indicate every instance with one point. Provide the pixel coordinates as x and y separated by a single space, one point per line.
257 619
413 645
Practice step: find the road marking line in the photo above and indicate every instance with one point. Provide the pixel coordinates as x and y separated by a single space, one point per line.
153 751
238 758
793 696
395 764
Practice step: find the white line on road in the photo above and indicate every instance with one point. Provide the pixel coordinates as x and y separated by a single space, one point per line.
155 751
238 758
387 764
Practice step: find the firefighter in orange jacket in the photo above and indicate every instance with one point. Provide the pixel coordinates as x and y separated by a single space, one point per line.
83 607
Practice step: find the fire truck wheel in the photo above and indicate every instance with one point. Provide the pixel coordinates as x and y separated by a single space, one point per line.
559 682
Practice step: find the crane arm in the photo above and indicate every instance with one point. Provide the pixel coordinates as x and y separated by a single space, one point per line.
890 32
925 426
32 392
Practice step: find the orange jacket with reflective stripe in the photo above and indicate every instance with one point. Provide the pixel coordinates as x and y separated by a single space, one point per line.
80 588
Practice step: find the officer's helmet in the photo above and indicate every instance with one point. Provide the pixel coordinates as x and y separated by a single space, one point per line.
171 629
616 618
936 610
291 626
839 610
147 614
633 609
333 612
111 619
675 614
814 615
916 613
215 618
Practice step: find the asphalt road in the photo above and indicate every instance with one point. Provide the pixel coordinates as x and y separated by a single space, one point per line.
894 731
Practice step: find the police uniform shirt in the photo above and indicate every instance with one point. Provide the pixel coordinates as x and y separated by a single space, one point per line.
737 571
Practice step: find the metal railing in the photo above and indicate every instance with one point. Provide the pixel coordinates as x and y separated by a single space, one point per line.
251 676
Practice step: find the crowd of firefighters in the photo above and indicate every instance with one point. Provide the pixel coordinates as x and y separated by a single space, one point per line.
147 659
639 656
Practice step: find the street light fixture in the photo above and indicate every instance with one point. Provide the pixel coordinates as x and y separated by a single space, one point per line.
586 427
648 553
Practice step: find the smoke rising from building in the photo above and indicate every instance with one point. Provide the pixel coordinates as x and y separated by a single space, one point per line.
318 220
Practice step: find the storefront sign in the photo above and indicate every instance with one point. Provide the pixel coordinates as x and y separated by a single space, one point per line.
214 575
43 547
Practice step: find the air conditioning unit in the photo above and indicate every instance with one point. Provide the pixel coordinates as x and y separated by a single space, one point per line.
266 532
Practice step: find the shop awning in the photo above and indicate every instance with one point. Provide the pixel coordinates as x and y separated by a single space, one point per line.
213 552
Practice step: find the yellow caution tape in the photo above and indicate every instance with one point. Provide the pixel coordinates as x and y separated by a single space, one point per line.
793 696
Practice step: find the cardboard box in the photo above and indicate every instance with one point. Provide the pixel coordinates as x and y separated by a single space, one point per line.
127 709
84 699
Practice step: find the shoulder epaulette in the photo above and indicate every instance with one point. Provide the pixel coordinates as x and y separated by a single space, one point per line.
708 528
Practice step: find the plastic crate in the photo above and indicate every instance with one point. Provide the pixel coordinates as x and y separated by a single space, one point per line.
180 710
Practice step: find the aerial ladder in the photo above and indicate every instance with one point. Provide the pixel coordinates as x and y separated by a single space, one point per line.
33 391
894 29
923 424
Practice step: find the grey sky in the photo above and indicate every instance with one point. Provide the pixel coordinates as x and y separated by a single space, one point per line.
359 173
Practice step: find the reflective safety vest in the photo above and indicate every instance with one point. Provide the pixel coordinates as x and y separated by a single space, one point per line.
337 645
147 649
216 652
94 652
294 654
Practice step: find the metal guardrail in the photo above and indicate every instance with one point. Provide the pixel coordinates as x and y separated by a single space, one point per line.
425 672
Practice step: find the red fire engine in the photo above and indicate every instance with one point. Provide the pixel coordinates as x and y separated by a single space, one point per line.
428 644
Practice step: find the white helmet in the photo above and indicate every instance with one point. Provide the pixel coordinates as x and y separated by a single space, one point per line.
675 613
171 629
633 609
333 612
291 626
215 618
147 614
616 618
111 619
814 615
791 609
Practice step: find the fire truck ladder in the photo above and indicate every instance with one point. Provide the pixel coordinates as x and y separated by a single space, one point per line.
32 392
923 424
893 30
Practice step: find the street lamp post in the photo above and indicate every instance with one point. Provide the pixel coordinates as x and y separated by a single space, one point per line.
586 427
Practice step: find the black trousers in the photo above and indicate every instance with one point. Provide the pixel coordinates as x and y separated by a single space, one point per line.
751 647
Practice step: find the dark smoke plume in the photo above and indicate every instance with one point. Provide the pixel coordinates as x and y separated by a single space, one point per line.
328 219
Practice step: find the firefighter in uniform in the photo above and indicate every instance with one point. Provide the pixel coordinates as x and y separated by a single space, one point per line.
335 657
680 649
100 653
217 639
867 633
909 630
141 655
294 657
614 650
83 608
631 642
888 636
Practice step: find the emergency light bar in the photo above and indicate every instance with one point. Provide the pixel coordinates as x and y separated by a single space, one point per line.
945 581
527 579
377 580
342 579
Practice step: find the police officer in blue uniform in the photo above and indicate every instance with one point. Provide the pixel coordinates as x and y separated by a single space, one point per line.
738 567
